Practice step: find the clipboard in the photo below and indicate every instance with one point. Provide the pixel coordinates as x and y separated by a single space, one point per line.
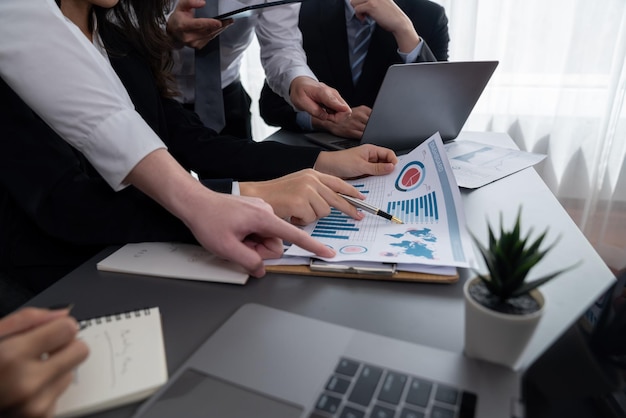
247 11
386 272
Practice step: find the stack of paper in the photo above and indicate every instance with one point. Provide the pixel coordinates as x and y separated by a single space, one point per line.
423 193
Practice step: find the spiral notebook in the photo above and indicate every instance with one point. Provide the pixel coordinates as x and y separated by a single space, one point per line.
126 363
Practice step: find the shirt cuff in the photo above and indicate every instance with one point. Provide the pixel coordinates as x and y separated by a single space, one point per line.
113 157
235 191
303 119
283 85
412 56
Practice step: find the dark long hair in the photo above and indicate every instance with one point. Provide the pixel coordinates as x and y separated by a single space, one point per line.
142 23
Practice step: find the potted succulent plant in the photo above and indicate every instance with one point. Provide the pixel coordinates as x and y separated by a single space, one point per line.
502 308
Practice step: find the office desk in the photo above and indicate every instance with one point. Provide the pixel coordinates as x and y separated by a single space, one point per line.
430 314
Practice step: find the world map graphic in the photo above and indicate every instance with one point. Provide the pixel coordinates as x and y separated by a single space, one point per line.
418 243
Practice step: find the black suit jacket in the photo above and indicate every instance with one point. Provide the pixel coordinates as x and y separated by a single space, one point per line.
55 209
325 42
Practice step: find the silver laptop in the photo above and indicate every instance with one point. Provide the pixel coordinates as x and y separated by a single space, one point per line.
417 100
267 363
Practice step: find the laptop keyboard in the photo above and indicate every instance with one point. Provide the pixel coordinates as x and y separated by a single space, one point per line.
359 390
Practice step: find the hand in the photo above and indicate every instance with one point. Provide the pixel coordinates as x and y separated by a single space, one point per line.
316 98
192 31
390 17
304 196
364 160
30 385
351 126
244 230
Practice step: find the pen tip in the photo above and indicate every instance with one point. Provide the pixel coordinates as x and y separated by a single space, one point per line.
396 220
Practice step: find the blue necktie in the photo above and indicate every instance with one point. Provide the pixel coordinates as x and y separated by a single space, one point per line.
359 51
209 101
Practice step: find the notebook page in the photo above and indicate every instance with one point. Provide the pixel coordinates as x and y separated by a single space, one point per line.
126 363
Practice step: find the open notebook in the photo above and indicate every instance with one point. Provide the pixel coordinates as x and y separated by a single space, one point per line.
126 363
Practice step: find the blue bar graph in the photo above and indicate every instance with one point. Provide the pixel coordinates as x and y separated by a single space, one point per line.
336 225
360 188
422 209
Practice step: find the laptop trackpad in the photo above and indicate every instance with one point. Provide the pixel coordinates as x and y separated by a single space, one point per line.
201 395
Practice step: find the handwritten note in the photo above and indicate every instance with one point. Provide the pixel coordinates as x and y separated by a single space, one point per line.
126 363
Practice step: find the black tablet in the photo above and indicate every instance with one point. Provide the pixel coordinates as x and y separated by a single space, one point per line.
247 11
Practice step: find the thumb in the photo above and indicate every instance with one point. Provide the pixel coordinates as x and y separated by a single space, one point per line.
380 169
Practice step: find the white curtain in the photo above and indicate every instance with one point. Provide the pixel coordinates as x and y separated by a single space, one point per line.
559 90
253 77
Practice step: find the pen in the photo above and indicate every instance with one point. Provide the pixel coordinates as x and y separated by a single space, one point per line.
55 307
369 208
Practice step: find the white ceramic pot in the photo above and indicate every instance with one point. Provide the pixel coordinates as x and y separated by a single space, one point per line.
497 337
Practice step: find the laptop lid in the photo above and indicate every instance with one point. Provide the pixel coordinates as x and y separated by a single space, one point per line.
416 100
265 362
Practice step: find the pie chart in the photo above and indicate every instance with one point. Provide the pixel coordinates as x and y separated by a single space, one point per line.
410 177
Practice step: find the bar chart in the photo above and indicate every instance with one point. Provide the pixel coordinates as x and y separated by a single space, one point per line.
422 209
342 227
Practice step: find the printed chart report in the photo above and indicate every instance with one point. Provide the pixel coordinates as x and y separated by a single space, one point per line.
423 193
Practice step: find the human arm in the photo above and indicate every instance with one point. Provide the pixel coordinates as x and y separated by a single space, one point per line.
241 229
308 195
102 115
29 386
304 196
65 202
432 24
391 18
286 70
364 160
68 204
210 155
103 119
275 111
52 187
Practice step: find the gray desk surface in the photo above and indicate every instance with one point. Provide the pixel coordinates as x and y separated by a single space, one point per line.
430 314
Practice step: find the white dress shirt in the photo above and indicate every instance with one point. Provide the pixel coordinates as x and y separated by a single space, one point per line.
280 41
70 85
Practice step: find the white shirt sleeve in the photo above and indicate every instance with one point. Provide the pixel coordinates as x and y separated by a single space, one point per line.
280 40
54 68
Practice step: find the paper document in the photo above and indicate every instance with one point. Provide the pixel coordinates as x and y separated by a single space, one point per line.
423 193
173 260
415 268
475 164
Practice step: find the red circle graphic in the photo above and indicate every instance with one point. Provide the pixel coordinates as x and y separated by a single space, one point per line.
411 177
